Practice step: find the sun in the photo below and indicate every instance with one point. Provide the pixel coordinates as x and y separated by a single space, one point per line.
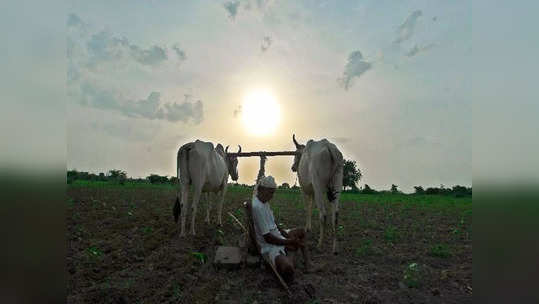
260 112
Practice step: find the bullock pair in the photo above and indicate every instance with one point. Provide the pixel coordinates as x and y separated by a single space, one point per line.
319 165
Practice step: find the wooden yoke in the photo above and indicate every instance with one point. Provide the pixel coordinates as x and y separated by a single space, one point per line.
263 153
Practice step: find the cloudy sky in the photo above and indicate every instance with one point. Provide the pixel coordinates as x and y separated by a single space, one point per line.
387 82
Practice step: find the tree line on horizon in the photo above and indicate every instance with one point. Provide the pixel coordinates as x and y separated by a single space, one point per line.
351 176
118 176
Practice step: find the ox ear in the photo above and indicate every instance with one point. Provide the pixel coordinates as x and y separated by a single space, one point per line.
298 146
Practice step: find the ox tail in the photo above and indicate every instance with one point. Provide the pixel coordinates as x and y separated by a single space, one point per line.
337 161
177 210
183 175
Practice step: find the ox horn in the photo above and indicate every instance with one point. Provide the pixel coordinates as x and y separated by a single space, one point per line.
239 151
226 150
295 142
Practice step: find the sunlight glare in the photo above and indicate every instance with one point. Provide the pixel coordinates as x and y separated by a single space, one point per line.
260 112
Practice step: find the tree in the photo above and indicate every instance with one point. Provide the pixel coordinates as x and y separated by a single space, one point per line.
432 190
351 174
419 190
118 175
285 186
157 179
394 188
460 191
368 190
72 175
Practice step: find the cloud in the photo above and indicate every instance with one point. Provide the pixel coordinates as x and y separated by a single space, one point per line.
152 56
99 64
180 53
146 108
74 21
416 49
232 8
149 108
260 4
102 46
185 111
266 43
237 111
355 67
406 30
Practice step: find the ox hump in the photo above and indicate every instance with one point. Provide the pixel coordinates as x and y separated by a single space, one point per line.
204 144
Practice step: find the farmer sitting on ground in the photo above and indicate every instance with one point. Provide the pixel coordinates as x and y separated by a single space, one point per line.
271 238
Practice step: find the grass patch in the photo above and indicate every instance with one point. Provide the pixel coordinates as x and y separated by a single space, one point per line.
176 291
340 230
365 249
391 234
201 257
369 224
94 252
220 237
440 251
413 275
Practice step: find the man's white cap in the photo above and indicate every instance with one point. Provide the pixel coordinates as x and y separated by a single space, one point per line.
268 182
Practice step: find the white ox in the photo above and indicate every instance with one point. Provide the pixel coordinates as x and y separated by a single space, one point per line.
207 170
319 165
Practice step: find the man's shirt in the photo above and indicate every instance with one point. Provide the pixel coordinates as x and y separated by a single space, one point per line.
264 223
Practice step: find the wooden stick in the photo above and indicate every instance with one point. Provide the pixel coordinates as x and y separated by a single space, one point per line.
267 258
261 153
238 221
